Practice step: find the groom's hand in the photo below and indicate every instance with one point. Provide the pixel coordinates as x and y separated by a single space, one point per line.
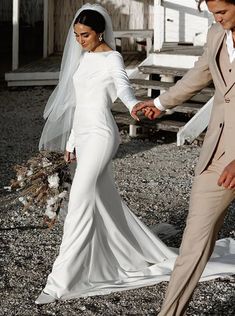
147 108
227 178
151 112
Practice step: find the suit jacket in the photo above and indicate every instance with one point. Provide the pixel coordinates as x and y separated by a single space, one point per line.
205 70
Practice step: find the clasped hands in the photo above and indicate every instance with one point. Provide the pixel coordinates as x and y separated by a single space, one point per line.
147 108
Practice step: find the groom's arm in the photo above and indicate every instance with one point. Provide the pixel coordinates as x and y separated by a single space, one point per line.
193 81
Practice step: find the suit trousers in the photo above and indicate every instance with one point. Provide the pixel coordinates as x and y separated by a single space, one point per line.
208 205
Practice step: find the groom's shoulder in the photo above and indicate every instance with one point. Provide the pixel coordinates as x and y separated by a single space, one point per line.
215 28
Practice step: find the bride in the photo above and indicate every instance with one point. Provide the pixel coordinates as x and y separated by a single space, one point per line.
105 247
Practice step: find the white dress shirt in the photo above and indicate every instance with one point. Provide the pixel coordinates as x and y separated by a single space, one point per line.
231 53
230 46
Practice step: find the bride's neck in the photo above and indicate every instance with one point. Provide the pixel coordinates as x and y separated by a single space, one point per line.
98 47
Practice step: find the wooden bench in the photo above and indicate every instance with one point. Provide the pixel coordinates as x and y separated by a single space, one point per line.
159 85
162 70
143 34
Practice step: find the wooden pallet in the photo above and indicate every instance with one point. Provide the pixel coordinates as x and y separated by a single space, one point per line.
169 71
159 85
165 123
176 118
45 71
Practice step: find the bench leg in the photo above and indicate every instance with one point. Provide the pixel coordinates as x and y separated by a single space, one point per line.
134 130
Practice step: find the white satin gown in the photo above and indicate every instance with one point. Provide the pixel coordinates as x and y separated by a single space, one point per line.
105 247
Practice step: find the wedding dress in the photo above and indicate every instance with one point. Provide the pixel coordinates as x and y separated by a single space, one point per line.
105 247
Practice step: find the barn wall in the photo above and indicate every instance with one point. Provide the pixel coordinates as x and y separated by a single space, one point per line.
30 11
30 26
5 10
125 14
183 21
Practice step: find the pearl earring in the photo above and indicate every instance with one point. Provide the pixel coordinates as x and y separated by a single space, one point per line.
101 37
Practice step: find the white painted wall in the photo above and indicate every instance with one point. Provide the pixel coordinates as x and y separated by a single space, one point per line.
183 21
170 60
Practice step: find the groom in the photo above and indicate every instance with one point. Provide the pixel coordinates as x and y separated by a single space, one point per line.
214 184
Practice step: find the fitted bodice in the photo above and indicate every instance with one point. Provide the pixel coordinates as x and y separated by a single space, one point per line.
100 79
93 83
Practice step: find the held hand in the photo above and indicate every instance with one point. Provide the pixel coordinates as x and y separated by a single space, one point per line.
69 157
136 109
147 108
227 178
151 112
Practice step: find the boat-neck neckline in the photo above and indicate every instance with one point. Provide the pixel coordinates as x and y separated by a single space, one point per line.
108 51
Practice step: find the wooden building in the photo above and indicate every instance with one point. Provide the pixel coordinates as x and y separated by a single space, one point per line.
157 22
173 31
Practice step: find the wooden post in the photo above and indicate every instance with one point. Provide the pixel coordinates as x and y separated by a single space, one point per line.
134 130
15 37
159 25
45 29
51 38
196 125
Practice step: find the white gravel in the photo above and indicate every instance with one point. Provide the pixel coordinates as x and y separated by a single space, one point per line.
154 177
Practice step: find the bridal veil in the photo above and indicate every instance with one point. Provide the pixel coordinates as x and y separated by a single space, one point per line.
59 110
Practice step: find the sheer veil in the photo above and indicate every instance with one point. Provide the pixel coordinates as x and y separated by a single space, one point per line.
61 104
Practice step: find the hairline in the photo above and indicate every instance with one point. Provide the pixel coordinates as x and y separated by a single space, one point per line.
201 1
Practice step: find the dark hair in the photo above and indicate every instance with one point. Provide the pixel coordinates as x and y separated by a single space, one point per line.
93 19
200 2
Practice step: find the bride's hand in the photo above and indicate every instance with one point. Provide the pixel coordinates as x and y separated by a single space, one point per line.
69 157
134 112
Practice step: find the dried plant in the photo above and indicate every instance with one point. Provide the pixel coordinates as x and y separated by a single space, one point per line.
43 182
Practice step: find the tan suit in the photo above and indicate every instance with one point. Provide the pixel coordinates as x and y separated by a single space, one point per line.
208 201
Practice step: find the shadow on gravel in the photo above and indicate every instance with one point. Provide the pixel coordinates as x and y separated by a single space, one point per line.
146 142
20 126
21 228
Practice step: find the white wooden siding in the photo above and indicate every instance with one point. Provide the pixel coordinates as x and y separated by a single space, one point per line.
125 14
183 21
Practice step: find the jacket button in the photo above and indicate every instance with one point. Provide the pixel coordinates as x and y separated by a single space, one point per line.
227 100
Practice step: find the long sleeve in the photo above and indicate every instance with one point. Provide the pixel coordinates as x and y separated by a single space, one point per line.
124 90
71 142
193 81
158 104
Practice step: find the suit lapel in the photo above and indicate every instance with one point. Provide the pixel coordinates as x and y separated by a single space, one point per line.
232 78
218 42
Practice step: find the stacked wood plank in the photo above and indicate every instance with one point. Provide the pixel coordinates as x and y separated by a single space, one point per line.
176 118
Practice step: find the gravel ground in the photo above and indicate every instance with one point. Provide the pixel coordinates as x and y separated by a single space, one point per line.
154 178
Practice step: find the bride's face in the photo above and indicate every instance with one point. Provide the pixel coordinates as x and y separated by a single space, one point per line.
86 36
